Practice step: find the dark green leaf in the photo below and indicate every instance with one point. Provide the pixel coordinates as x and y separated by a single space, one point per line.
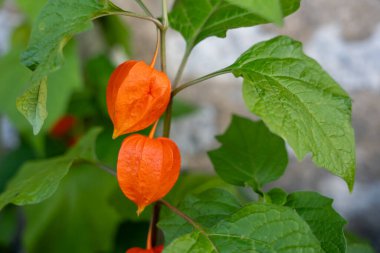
326 224
206 208
250 154
97 73
357 245
38 180
12 161
299 101
276 196
78 217
254 228
117 33
44 53
205 18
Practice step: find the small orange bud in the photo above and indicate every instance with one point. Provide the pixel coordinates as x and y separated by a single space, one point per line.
137 95
157 249
147 168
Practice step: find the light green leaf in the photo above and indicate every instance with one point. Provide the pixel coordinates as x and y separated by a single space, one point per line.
44 53
250 154
38 180
326 224
299 101
267 9
31 8
205 18
206 208
254 228
77 218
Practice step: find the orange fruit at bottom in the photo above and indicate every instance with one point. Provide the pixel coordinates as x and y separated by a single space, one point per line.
147 168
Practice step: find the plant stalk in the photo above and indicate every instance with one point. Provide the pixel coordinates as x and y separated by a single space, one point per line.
133 15
181 68
144 8
182 215
198 80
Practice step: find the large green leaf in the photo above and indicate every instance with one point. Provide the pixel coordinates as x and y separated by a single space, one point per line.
299 101
17 76
326 224
206 208
77 218
254 228
38 180
204 18
44 53
250 154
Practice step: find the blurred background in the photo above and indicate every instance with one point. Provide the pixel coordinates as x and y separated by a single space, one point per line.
342 35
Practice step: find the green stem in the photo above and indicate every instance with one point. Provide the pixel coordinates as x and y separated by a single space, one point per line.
183 215
198 80
168 118
144 8
97 164
133 15
165 25
182 66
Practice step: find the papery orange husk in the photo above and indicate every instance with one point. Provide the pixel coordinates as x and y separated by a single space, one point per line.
147 168
157 249
137 95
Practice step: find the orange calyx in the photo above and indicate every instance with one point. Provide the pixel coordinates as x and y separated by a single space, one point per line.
147 168
137 95
157 249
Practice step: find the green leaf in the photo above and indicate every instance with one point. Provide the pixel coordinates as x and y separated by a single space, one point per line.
38 180
326 224
78 217
44 53
299 101
250 154
68 76
276 196
208 18
267 9
254 228
31 8
206 208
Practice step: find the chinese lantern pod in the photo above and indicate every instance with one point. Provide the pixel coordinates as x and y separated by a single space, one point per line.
157 249
147 168
137 95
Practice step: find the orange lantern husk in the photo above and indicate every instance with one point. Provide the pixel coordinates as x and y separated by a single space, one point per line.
147 168
157 249
137 95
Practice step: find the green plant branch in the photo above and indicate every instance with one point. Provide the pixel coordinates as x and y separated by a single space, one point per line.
144 8
198 80
134 15
97 164
182 66
189 220
183 216
163 29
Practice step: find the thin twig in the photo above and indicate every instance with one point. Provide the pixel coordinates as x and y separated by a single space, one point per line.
182 215
198 80
144 8
181 68
133 15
